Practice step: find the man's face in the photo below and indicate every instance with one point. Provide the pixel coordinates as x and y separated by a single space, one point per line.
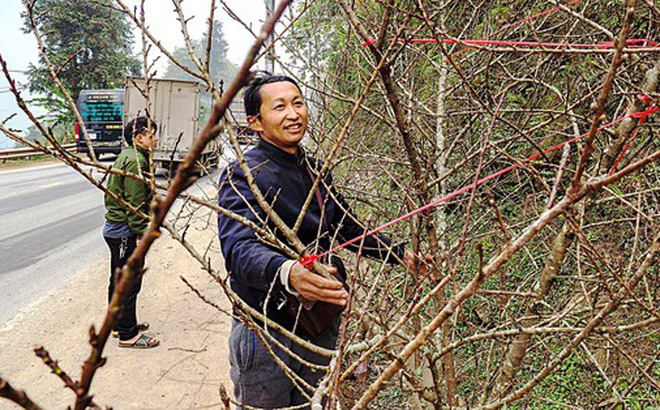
146 139
282 119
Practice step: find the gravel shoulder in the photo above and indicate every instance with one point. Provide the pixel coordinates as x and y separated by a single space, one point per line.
184 372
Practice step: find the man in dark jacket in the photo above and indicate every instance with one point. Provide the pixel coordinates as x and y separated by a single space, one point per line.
284 173
124 226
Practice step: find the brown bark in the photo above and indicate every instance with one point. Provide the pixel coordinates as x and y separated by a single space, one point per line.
520 344
17 396
494 266
626 127
422 191
184 178
602 314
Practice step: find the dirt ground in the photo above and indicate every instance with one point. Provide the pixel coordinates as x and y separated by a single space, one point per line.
184 372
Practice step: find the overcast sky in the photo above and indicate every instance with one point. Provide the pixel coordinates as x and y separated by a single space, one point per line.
19 49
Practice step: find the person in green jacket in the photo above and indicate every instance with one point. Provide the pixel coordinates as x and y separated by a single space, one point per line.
124 227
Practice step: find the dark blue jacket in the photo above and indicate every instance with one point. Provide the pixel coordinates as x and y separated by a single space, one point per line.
285 181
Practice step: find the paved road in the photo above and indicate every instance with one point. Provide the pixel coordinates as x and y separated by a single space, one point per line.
51 219
50 223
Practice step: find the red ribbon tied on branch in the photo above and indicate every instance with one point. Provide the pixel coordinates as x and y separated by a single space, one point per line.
642 117
308 260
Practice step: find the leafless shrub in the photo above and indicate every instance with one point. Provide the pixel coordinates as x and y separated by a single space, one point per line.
543 289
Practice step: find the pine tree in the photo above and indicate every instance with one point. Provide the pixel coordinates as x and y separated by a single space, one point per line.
220 68
88 42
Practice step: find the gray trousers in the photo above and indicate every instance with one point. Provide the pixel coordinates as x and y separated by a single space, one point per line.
258 379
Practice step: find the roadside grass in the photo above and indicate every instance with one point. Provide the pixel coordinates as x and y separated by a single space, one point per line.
27 162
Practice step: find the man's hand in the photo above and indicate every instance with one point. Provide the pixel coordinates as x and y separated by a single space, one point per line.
416 264
315 287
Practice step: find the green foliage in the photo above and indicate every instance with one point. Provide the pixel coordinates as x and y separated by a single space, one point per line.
220 68
499 108
62 132
89 45
566 385
33 134
318 34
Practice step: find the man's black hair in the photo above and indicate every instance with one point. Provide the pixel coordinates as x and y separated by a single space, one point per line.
137 126
252 94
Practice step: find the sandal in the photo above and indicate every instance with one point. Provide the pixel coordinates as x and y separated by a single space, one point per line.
141 327
142 342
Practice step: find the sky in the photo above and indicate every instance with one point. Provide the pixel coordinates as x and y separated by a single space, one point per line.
19 49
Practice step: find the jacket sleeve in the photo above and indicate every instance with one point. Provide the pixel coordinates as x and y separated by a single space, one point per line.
247 259
377 246
138 194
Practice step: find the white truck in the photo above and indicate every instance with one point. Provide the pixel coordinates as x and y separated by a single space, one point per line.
175 106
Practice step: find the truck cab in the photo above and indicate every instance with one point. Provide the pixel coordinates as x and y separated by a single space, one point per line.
102 112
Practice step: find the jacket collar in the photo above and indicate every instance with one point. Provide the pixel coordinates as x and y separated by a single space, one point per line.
281 157
143 151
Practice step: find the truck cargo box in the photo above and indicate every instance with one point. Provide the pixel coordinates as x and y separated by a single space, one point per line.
175 106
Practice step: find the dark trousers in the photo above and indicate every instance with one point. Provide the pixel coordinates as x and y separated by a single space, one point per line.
259 381
120 250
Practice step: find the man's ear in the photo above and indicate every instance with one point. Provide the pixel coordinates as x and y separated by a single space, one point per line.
254 123
141 139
